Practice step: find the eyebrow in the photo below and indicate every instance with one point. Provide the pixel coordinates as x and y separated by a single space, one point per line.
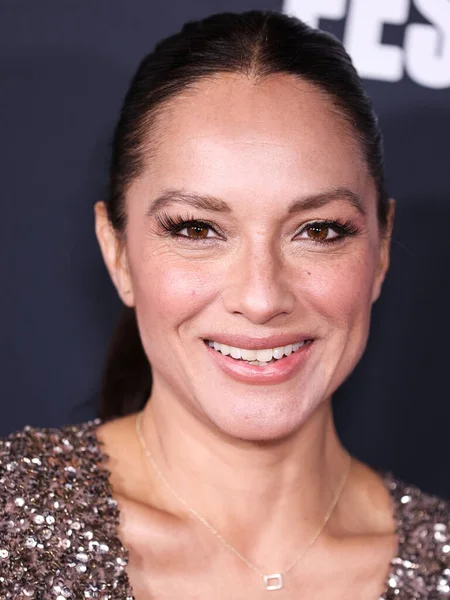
212 203
324 198
194 200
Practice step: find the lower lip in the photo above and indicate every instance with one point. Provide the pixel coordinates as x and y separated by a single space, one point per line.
275 372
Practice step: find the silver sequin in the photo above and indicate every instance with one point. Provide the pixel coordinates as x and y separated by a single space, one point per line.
54 545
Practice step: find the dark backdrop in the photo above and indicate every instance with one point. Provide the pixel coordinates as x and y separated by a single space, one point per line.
64 68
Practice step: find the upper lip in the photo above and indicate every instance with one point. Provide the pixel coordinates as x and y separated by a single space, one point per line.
258 343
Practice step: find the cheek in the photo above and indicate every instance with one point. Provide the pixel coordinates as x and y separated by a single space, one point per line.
340 289
169 291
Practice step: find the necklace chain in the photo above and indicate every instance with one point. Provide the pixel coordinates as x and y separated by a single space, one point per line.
213 530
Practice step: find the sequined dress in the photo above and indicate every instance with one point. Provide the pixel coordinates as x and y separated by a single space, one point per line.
59 524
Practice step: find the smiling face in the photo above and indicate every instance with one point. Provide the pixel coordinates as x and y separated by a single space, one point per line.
254 226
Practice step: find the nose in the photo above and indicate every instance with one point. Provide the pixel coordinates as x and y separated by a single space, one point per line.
258 286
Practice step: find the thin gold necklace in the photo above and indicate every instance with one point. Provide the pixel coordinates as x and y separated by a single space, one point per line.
273 581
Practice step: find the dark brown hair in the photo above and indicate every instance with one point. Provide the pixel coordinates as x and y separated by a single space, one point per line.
255 44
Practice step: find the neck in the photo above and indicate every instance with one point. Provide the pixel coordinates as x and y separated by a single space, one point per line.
286 481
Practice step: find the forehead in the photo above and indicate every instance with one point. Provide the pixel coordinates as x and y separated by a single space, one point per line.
231 135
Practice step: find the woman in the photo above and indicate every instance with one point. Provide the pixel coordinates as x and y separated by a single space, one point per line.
247 232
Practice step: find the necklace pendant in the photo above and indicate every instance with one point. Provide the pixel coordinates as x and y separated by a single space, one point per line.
273 582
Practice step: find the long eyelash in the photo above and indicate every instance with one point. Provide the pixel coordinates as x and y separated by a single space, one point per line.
343 228
173 225
170 224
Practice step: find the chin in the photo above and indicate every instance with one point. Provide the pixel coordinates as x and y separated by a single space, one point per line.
261 422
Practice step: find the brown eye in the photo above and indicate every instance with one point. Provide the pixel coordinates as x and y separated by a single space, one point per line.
317 232
325 232
197 231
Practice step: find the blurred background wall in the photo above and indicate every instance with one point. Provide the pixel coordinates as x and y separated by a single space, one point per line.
64 68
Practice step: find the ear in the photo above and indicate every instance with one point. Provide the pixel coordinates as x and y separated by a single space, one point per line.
384 252
114 254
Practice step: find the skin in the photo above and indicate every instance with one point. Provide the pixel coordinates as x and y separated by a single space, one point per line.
262 462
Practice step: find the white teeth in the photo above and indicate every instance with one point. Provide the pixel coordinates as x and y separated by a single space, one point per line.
264 355
235 352
256 357
278 352
249 354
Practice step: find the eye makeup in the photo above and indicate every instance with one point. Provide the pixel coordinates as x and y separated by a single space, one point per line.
342 229
197 230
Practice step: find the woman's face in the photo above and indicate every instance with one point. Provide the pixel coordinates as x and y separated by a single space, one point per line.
254 226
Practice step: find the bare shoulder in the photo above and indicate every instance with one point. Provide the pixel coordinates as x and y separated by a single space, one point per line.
116 436
123 457
368 503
